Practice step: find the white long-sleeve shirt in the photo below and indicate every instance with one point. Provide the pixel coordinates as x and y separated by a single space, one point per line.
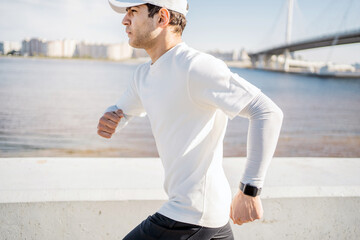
189 97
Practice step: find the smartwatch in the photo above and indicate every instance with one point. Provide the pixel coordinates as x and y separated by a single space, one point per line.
250 190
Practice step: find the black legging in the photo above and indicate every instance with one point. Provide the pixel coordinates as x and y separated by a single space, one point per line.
160 227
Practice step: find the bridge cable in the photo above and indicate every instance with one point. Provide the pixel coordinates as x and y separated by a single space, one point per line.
316 20
300 22
337 34
268 35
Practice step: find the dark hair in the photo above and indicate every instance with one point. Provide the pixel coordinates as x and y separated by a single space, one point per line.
177 20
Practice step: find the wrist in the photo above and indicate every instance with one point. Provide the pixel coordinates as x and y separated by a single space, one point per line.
249 190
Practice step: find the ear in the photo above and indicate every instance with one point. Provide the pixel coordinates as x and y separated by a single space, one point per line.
164 17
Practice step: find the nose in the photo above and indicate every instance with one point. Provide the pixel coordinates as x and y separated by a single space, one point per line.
126 20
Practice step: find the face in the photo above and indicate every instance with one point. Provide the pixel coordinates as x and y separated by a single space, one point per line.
141 29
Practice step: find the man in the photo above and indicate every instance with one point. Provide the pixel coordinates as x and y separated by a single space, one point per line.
188 97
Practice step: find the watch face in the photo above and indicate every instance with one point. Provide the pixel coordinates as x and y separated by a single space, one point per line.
252 191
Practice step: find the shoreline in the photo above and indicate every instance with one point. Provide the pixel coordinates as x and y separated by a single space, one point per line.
230 64
127 60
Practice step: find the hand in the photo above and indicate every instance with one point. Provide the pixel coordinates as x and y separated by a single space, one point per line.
108 123
245 208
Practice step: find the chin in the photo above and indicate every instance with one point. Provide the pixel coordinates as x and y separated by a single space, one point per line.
134 45
131 43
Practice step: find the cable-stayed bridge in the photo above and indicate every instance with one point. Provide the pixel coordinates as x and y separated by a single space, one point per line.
323 41
279 57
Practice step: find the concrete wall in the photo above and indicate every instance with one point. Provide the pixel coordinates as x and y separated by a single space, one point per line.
84 198
284 218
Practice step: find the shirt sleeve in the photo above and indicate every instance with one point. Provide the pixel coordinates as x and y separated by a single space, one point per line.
130 102
213 85
265 120
123 122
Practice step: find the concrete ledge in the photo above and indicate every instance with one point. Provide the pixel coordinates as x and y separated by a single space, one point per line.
104 198
106 179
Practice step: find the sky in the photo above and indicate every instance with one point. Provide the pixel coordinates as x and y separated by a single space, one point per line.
211 25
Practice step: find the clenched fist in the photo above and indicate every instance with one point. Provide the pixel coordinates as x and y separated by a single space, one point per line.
245 208
108 123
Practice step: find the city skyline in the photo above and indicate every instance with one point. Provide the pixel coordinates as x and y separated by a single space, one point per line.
232 25
68 48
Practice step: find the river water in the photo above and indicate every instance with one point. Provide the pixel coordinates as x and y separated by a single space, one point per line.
51 108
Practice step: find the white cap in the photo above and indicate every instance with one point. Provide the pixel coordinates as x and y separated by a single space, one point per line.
175 5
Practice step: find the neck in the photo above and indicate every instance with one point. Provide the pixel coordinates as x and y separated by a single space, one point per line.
161 46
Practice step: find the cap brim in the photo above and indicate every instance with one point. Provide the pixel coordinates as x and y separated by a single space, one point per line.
120 7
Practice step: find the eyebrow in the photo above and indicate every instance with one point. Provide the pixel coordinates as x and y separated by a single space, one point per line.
128 8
